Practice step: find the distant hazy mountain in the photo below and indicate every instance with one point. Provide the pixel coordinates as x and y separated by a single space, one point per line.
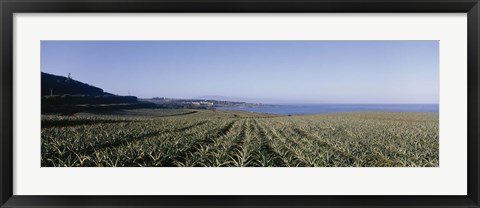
252 100
226 98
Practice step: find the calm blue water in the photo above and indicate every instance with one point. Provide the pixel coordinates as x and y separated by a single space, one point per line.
334 108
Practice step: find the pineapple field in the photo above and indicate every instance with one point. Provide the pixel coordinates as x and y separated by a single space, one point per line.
224 138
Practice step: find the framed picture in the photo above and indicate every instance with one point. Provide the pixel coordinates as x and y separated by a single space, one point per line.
239 104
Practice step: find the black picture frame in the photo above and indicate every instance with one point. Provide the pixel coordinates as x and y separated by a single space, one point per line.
9 7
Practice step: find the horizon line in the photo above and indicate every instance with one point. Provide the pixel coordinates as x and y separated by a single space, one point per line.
300 103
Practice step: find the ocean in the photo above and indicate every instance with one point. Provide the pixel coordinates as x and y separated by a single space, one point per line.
335 108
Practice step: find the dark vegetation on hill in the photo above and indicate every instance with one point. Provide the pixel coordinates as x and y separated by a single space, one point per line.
88 99
67 96
59 85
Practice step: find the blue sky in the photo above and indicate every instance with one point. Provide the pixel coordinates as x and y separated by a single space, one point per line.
265 71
